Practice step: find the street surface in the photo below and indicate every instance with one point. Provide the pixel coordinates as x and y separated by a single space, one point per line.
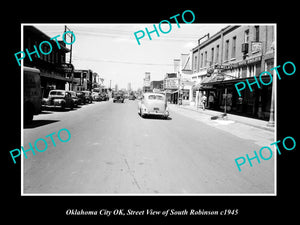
113 150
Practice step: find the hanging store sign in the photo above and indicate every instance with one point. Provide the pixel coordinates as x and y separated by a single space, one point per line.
66 67
249 61
171 83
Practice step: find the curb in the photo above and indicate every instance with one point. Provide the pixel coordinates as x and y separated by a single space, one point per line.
229 116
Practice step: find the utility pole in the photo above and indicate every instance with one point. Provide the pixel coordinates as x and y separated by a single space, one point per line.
71 36
70 59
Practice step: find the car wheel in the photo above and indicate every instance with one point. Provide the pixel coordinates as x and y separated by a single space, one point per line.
62 106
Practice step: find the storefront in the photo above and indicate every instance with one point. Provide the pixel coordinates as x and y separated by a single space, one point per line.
255 104
50 81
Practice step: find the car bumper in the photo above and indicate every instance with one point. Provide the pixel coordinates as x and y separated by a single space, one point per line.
155 113
52 104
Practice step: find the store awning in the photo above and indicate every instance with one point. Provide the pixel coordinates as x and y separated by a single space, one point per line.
204 84
168 91
218 78
56 77
228 79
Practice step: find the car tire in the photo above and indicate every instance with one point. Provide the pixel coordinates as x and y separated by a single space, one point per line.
63 106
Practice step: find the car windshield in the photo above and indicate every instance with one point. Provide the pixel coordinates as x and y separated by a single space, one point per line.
60 93
155 97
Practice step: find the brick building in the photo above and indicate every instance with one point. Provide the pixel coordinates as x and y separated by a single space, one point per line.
234 54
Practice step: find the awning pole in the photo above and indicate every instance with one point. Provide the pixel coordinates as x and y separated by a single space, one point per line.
225 99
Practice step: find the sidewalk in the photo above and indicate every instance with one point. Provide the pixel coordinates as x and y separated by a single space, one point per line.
239 119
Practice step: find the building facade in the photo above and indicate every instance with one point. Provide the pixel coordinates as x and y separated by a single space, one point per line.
84 80
146 83
53 67
232 55
157 85
171 86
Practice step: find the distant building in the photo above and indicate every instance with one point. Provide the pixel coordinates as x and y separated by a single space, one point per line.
170 84
146 85
82 80
157 85
129 87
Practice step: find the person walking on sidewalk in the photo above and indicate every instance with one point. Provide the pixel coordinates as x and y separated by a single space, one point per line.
203 101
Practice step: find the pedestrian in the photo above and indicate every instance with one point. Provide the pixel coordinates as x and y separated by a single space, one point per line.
203 101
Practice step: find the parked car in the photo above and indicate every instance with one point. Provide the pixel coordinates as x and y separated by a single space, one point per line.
88 96
81 96
96 96
59 98
153 104
118 98
103 96
131 97
76 100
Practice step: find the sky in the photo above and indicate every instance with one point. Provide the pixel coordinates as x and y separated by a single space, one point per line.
112 51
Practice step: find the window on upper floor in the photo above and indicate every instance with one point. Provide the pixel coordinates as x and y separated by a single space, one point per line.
246 36
256 33
226 50
233 50
217 53
212 56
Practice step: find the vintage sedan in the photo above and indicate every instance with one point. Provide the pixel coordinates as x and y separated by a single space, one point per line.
58 98
76 100
153 104
81 96
88 96
118 98
104 96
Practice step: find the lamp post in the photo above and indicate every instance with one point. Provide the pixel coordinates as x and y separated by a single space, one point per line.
271 122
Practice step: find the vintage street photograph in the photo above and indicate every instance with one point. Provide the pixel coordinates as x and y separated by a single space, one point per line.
148 109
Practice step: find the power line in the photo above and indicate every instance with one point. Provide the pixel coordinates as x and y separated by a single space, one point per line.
122 62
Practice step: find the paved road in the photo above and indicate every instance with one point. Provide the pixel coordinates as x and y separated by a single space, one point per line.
113 150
